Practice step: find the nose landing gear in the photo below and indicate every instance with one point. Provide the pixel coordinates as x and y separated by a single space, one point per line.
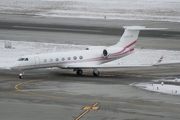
21 75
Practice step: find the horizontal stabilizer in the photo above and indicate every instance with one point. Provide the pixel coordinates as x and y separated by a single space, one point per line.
130 36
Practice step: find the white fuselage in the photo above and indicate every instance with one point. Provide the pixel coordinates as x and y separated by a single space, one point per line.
64 59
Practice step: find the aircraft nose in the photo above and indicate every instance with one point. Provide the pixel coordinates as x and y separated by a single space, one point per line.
14 66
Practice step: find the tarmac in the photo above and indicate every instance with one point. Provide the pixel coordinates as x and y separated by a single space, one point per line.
61 95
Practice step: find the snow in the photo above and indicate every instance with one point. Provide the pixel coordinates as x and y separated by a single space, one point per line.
160 86
140 56
159 10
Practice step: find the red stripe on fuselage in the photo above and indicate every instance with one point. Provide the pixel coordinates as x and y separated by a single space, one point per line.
117 53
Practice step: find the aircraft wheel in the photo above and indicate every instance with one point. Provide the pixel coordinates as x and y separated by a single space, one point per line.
79 72
96 73
21 76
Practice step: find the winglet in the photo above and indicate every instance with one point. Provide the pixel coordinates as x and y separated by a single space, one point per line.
159 61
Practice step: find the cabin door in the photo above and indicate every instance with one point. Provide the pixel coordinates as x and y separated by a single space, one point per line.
37 61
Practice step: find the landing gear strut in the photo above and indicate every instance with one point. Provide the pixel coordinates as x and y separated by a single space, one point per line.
21 75
80 72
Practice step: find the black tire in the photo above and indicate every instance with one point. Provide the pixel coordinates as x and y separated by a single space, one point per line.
21 77
79 72
96 74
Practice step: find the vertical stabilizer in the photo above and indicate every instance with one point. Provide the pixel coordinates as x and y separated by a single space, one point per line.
130 36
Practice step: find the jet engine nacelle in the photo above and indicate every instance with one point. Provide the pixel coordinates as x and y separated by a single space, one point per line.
107 52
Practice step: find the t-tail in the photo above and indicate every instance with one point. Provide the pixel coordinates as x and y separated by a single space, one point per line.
127 42
130 36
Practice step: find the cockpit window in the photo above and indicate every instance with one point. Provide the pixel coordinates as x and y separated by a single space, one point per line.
26 59
23 59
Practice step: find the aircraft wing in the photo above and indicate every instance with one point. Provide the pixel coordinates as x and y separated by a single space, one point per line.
84 66
117 65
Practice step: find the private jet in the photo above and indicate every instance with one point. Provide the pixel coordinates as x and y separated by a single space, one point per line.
93 57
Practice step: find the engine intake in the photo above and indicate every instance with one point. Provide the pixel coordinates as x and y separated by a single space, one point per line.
105 53
110 51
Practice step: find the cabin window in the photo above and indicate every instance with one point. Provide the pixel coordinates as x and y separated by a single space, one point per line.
69 58
45 60
51 60
74 57
57 59
63 59
80 57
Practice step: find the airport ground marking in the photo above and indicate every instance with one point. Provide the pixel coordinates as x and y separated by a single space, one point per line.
87 109
32 93
12 93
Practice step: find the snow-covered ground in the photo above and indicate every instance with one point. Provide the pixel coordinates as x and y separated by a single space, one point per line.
140 56
162 87
159 10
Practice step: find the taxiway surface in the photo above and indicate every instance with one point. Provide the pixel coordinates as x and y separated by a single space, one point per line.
61 95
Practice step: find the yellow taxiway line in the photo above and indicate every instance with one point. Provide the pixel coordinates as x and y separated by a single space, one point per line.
31 93
87 109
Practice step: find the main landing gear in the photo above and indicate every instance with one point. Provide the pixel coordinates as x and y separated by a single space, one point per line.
96 72
80 72
21 75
